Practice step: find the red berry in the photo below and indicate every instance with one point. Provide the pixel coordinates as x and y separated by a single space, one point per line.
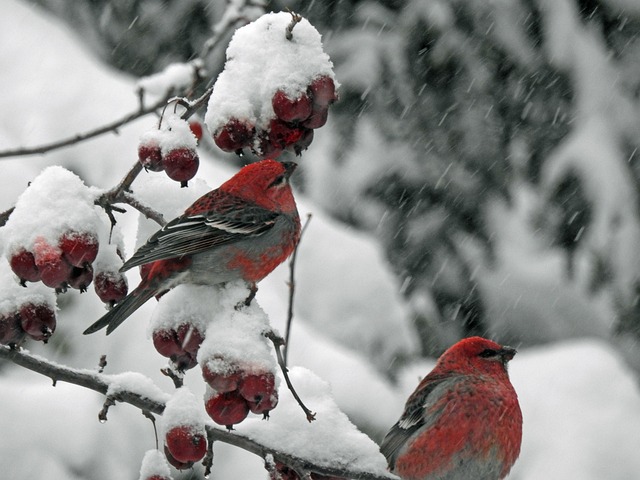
268 149
318 117
54 269
265 404
166 342
234 135
304 141
81 278
323 91
176 464
196 129
181 164
255 387
23 265
227 408
186 444
189 338
291 109
150 156
221 382
111 287
78 248
38 321
11 331
283 134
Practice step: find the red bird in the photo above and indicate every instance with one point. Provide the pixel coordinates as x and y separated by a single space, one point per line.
463 421
242 230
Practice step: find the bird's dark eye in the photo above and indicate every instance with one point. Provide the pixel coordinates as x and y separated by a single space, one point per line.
280 180
488 353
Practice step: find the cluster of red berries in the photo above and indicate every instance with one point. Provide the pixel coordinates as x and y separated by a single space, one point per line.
180 344
296 116
169 150
236 391
280 471
33 320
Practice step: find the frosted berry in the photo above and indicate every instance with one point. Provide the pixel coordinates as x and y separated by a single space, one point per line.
111 287
54 269
38 321
81 277
323 91
255 387
175 463
186 444
267 149
265 404
181 164
318 116
181 345
291 109
23 265
227 408
166 342
196 129
78 248
234 135
11 331
150 156
219 381
189 338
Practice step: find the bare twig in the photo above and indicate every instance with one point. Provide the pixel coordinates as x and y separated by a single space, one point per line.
100 383
80 137
278 342
292 288
295 19
102 363
177 379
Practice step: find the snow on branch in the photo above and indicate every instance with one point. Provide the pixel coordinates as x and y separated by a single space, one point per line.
151 399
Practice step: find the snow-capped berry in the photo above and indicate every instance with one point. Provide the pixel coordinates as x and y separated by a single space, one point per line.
81 277
196 128
23 265
323 91
290 109
318 116
54 269
181 164
38 321
79 248
220 376
166 342
227 408
186 444
11 331
180 346
175 463
111 287
234 135
150 156
255 387
189 338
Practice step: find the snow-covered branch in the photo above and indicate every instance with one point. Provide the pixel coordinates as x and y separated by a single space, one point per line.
113 387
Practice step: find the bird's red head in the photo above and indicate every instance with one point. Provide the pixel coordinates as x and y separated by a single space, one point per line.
265 183
476 355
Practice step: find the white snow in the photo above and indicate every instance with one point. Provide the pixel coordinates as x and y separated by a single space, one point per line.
14 295
184 408
154 463
260 60
176 78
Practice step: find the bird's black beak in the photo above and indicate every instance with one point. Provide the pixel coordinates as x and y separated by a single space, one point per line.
289 168
506 354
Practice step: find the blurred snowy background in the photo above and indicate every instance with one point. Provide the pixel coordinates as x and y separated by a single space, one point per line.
478 176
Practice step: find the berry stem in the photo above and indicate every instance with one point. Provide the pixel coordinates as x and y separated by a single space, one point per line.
295 19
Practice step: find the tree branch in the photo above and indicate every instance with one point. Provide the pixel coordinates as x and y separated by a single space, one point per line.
101 383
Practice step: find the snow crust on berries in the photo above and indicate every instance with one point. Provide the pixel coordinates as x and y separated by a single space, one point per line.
260 61
237 335
154 463
195 305
331 440
176 77
57 201
176 134
184 408
135 382
14 295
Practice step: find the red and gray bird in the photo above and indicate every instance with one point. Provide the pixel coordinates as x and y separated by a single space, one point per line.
463 421
242 230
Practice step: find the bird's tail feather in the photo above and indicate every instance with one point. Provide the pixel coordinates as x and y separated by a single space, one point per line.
119 313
